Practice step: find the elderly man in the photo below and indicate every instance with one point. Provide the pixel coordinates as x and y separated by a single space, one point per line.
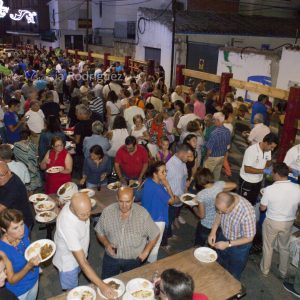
72 239
95 139
236 216
131 161
256 163
217 146
186 118
281 200
259 131
127 232
13 194
132 111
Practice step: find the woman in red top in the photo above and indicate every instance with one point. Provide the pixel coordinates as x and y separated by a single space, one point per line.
58 156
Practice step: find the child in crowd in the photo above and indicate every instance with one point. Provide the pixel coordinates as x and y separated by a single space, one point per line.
164 154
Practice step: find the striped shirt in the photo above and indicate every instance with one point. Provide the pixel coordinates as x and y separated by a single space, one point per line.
218 141
97 106
129 236
240 222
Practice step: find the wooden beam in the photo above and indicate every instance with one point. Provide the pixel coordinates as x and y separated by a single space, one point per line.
259 89
97 55
142 62
116 58
201 75
82 53
71 51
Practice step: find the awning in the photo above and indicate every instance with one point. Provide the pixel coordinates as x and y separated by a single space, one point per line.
22 33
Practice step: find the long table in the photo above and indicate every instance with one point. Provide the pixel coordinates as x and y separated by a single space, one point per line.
210 279
103 198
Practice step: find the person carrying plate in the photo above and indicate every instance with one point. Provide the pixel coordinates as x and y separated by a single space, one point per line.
58 156
22 276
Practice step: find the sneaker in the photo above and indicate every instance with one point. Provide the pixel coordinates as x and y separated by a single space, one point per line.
181 220
290 288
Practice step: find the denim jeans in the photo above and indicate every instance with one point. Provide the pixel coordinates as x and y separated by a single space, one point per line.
69 280
233 259
201 235
114 266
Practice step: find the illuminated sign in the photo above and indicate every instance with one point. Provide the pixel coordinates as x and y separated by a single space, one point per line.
29 15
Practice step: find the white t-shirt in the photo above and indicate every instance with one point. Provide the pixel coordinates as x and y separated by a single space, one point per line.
292 158
98 90
112 87
35 121
71 234
20 170
258 132
130 112
156 102
185 119
175 96
256 158
282 199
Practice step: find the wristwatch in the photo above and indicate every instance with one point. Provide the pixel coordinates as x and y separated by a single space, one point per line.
229 245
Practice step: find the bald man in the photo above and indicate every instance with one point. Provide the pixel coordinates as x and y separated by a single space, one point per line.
72 239
13 194
236 217
127 232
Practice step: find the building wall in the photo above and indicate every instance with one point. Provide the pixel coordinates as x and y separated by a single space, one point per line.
263 66
119 49
215 5
156 36
289 67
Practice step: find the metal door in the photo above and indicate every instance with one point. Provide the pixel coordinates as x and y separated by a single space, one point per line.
153 53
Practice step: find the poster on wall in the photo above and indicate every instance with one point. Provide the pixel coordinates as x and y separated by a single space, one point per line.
250 67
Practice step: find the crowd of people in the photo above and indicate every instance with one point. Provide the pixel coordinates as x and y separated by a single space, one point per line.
106 123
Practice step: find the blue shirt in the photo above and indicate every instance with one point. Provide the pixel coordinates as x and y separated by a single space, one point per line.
11 118
155 200
30 74
17 258
260 108
218 141
95 139
94 172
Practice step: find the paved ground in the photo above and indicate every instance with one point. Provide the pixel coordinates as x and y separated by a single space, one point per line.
258 287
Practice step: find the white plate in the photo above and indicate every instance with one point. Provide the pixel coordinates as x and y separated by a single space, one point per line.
192 202
77 293
68 187
37 198
45 206
89 192
120 290
51 215
93 202
138 284
54 170
112 187
151 297
205 254
127 296
34 249
134 184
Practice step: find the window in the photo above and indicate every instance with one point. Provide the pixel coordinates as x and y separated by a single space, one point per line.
131 30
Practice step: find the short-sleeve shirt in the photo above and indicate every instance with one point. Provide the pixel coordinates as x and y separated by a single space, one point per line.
14 195
240 222
256 158
132 164
292 158
282 199
16 256
71 234
219 141
207 197
19 169
11 118
129 236
155 200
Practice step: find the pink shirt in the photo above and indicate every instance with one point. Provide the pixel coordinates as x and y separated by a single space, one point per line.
199 109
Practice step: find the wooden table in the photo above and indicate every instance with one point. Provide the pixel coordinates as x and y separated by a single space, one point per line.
103 198
210 279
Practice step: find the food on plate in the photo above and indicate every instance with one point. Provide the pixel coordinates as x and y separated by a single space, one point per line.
63 189
83 295
45 206
33 250
115 186
45 251
212 257
113 285
188 198
143 294
45 215
40 198
134 185
145 284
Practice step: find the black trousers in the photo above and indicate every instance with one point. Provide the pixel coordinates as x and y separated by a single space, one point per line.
249 190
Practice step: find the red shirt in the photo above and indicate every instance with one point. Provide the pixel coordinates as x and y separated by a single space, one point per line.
132 164
197 296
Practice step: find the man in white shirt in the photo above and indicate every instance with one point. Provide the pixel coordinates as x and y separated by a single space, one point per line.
281 200
256 163
16 167
111 86
72 239
292 160
259 131
187 117
35 121
132 111
155 101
